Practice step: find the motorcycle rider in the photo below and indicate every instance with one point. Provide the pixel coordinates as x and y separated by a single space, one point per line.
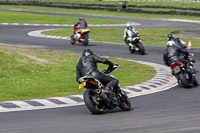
178 42
129 34
175 47
88 65
82 24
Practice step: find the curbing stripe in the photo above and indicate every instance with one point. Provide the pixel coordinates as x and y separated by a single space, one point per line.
34 103
56 101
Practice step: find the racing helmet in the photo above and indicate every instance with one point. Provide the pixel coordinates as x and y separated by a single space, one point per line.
87 52
170 43
170 36
81 18
129 25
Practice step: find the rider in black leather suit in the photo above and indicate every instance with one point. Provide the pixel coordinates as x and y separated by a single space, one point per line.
82 23
173 51
171 55
88 65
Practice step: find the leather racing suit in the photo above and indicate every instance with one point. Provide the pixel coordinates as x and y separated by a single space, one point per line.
171 54
88 65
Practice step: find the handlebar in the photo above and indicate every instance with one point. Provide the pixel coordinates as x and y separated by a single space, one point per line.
110 69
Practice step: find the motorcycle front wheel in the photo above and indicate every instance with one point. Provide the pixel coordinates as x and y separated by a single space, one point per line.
89 96
131 50
124 102
141 47
72 40
195 82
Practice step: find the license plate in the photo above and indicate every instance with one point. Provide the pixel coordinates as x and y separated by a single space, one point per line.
82 85
177 70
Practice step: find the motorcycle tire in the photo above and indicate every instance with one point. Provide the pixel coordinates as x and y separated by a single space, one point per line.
90 104
141 47
124 102
184 81
195 82
72 40
86 40
131 50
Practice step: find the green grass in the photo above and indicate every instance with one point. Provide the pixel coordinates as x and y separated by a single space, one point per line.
149 36
17 17
176 4
27 73
100 12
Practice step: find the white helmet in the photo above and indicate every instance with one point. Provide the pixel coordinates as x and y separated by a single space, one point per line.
128 25
171 43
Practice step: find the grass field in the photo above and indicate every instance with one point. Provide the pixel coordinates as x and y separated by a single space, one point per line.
18 17
149 36
100 12
28 73
175 4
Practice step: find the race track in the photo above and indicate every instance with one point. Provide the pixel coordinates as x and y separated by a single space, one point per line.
173 111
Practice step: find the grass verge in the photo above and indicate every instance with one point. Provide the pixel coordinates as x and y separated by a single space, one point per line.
149 36
18 17
99 12
28 73
103 2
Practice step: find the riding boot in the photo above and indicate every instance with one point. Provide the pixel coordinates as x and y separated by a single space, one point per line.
111 96
114 99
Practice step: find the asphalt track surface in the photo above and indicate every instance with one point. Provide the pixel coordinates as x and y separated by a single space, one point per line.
173 111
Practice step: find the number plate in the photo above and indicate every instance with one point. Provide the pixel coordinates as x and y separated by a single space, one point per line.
177 70
82 85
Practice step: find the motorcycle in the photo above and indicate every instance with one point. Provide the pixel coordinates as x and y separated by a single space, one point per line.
81 38
134 44
184 76
97 100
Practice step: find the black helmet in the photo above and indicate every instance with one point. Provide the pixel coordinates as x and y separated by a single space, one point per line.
81 18
87 52
170 36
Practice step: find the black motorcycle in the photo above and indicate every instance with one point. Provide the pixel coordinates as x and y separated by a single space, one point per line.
97 100
185 76
135 44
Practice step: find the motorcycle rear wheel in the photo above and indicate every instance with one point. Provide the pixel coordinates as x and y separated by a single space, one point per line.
124 102
90 104
184 81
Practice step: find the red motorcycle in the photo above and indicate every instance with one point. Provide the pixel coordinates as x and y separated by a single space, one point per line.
183 75
80 36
